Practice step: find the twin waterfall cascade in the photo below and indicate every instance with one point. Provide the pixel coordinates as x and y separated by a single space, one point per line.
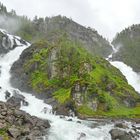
61 128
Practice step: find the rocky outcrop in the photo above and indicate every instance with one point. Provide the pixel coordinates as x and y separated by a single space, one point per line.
70 79
9 42
18 125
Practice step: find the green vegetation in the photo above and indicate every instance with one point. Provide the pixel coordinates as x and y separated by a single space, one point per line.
129 41
85 110
62 65
122 112
3 134
62 95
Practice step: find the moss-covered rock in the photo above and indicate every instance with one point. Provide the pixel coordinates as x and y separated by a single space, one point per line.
64 71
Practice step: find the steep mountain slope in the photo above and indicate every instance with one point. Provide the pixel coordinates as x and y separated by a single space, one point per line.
68 77
42 28
128 43
91 40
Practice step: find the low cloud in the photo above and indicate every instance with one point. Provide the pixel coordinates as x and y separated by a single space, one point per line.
9 24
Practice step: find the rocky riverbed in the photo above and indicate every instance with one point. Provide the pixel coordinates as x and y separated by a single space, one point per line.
19 125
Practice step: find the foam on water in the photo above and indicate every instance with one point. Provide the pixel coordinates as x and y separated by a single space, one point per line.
132 77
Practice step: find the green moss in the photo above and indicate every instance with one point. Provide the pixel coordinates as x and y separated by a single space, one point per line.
121 112
73 65
39 80
62 95
3 133
84 110
124 112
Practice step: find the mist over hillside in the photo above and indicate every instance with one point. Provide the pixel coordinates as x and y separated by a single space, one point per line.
40 28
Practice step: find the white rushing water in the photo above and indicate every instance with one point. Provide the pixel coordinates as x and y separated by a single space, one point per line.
61 129
132 77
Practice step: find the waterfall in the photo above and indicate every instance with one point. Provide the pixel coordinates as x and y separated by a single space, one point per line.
132 77
61 128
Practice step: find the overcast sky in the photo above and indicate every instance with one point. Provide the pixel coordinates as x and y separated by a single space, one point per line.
106 16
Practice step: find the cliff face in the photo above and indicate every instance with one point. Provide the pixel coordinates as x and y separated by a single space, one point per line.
68 77
128 42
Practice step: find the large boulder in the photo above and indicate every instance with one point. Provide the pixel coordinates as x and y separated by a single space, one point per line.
17 99
14 132
14 101
117 134
17 95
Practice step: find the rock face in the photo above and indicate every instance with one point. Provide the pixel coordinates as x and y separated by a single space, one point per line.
128 42
8 42
18 125
66 76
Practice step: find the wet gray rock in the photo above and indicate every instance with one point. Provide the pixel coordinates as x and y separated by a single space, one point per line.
6 43
82 135
21 125
121 125
70 120
7 94
117 134
14 132
14 101
17 100
17 95
9 42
